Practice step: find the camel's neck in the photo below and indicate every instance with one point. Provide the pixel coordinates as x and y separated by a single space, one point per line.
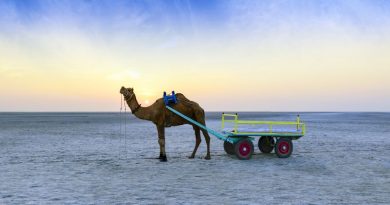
139 111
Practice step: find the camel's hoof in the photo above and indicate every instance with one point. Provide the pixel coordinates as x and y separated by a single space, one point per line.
191 157
208 157
163 159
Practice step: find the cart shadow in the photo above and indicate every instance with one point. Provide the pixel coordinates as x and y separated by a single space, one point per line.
255 156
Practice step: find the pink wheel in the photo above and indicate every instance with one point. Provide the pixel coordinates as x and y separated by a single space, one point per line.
283 148
243 149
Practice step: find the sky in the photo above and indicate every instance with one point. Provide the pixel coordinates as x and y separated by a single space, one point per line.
238 55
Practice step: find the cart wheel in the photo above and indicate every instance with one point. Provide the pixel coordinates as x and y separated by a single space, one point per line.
266 144
283 147
243 149
228 147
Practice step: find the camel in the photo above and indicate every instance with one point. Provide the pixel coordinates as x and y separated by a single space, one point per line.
162 118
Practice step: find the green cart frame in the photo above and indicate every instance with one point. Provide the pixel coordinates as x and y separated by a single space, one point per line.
239 141
271 136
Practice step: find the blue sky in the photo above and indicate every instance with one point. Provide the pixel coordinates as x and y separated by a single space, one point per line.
187 14
334 52
106 19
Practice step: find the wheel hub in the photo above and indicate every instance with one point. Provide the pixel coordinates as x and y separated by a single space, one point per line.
244 149
284 147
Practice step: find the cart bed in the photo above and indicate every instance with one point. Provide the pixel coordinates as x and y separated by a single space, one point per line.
239 128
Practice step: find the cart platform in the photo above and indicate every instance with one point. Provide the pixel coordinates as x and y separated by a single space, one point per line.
232 126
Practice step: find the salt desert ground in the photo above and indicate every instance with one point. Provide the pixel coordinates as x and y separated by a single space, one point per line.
85 158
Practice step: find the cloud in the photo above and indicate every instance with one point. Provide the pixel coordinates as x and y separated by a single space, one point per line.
8 73
302 19
124 75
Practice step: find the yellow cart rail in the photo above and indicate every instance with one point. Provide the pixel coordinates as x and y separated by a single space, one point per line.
262 128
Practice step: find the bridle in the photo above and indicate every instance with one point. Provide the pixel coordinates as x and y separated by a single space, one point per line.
136 109
128 98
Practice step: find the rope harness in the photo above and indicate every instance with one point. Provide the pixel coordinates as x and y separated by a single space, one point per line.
123 107
120 122
128 98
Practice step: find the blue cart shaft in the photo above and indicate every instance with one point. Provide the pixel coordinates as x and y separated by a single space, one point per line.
211 131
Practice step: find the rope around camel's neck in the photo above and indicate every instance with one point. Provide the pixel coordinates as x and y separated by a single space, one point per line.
136 108
129 99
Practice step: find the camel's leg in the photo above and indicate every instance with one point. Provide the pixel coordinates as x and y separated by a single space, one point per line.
198 140
207 138
200 119
161 142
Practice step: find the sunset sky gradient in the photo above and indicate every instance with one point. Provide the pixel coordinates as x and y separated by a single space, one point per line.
227 55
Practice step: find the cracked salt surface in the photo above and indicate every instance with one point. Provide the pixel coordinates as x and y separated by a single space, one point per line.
81 158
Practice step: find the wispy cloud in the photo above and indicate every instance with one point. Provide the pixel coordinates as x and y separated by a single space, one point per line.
300 19
124 75
10 73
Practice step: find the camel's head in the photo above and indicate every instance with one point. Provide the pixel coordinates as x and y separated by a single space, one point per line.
127 91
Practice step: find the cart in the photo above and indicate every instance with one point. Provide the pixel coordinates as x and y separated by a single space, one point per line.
238 135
